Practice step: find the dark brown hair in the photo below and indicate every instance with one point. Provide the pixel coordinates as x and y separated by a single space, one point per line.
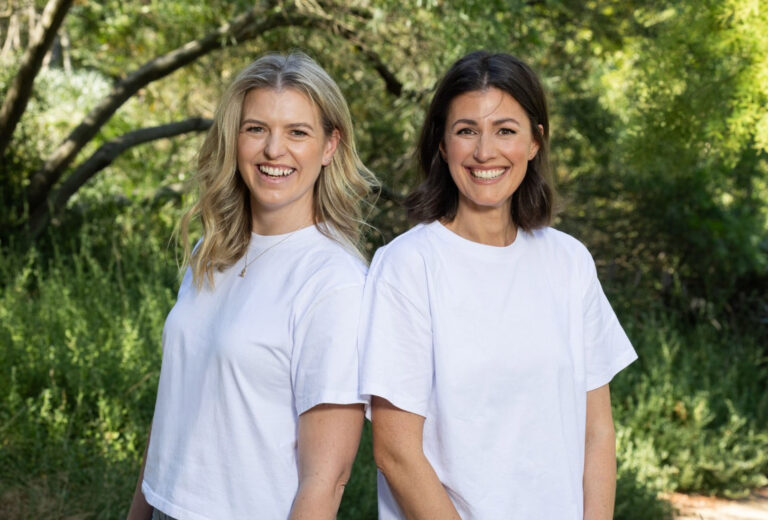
437 196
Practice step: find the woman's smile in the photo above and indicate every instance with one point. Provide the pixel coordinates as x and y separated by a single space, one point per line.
487 145
275 171
486 175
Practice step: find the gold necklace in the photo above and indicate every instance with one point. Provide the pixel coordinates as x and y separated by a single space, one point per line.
247 263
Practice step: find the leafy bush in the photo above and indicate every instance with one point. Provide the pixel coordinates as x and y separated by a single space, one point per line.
79 351
692 415
636 500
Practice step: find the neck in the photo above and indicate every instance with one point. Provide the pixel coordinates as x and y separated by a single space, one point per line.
262 226
490 226
265 222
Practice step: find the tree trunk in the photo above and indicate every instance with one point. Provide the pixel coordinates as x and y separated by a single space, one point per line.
18 94
13 36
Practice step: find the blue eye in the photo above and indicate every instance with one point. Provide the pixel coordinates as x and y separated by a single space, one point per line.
299 133
254 129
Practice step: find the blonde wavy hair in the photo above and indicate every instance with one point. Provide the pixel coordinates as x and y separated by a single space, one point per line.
223 203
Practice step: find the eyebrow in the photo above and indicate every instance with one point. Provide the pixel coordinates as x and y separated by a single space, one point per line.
301 125
262 123
497 122
506 120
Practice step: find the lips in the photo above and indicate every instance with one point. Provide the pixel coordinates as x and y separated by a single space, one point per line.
486 173
275 171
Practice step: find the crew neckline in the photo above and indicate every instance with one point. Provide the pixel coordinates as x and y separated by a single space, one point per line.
485 250
258 240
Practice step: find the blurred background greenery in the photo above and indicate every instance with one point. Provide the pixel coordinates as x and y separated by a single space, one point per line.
659 145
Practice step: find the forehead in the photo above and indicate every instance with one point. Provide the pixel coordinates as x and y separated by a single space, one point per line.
281 105
490 103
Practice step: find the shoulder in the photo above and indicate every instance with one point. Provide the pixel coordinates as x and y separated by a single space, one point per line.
559 245
407 253
326 264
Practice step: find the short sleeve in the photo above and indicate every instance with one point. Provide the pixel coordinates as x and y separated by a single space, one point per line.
607 349
324 362
395 337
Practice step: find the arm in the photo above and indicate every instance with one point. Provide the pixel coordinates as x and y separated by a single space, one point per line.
397 448
140 509
328 438
599 457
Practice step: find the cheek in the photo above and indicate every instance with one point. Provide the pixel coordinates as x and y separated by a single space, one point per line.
518 154
311 153
244 147
455 150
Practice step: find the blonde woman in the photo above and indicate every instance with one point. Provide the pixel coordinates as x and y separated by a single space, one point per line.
258 413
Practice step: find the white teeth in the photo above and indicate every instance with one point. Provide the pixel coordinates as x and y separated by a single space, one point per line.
487 174
275 172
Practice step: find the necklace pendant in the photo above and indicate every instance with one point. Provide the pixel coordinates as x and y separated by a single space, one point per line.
247 263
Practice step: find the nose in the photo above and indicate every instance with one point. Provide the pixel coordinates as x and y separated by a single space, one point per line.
274 146
484 148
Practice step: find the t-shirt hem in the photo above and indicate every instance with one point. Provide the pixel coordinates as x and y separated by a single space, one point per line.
170 509
405 404
329 398
605 377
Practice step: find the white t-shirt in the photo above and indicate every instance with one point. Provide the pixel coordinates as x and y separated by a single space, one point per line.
496 347
241 362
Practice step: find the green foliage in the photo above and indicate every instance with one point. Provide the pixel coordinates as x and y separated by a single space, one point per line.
636 500
79 332
659 144
687 94
692 415
359 501
114 36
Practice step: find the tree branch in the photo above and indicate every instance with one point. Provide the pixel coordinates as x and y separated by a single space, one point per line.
322 20
18 94
103 157
255 19
12 36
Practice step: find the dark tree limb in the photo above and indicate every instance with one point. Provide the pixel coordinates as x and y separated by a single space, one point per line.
255 19
320 19
103 157
18 94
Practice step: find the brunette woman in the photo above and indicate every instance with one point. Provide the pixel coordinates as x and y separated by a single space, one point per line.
487 341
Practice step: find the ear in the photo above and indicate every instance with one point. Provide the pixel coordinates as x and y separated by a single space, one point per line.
441 147
331 143
534 149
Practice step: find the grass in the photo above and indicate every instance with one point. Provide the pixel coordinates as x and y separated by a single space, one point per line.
80 328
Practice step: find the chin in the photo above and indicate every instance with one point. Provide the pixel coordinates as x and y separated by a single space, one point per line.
490 204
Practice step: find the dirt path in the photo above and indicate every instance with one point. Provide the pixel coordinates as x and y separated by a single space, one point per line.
696 507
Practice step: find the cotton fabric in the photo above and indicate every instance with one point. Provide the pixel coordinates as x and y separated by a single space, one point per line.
241 362
497 348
